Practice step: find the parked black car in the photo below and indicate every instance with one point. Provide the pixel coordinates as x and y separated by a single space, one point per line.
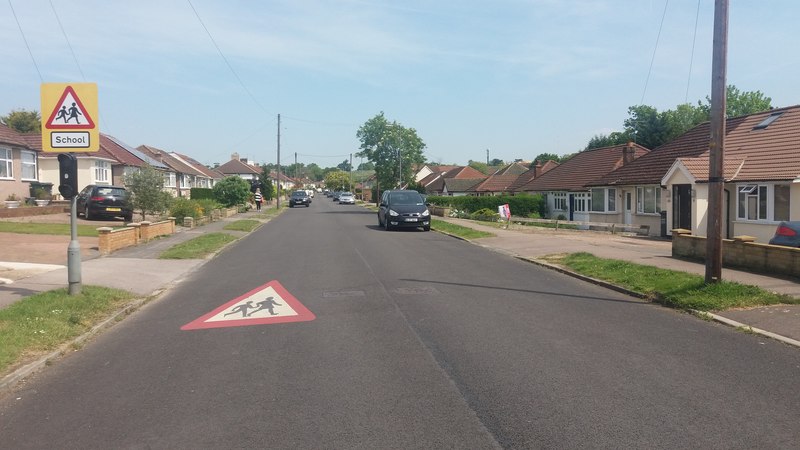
299 198
104 201
403 209
788 234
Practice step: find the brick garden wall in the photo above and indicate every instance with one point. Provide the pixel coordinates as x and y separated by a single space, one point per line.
740 252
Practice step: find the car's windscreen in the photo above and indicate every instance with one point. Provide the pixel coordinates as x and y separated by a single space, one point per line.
298 194
405 198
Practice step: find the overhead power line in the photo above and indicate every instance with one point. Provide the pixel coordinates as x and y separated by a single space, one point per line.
691 60
226 60
74 58
14 13
658 38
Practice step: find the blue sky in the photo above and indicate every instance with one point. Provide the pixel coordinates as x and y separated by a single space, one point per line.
516 77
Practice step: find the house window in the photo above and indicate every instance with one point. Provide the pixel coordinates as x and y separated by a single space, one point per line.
752 202
781 211
648 200
169 179
185 181
560 201
6 163
604 200
582 201
101 171
28 160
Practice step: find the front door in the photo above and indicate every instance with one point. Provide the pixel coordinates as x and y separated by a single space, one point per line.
628 208
682 206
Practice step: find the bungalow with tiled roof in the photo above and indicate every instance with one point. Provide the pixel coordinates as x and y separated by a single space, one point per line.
455 182
181 177
567 187
500 182
107 166
761 175
207 178
19 162
239 168
536 171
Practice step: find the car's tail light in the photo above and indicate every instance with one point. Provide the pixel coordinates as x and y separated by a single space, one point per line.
98 199
783 230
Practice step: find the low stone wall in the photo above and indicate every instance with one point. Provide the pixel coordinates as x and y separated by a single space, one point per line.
439 211
24 211
133 234
741 252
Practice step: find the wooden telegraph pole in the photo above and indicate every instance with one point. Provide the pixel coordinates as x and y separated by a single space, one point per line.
717 144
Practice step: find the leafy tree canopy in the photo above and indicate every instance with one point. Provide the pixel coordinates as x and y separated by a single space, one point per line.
650 128
146 186
497 162
366 166
479 166
231 191
345 166
23 121
392 148
542 158
337 181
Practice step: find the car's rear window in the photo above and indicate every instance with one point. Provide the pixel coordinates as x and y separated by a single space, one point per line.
406 198
298 194
116 192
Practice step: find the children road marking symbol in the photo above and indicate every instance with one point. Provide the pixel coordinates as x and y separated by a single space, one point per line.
270 303
69 113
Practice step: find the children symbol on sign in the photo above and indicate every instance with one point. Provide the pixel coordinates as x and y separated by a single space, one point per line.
242 308
73 112
269 304
62 114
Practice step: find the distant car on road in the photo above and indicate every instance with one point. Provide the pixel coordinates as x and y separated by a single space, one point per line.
787 234
336 195
299 198
347 198
403 209
104 201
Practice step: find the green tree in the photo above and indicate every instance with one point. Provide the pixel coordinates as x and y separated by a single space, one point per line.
267 188
603 140
23 121
366 166
393 148
479 166
497 162
232 191
147 191
542 158
337 181
738 103
314 172
345 166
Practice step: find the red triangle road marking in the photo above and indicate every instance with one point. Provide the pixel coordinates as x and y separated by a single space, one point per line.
267 304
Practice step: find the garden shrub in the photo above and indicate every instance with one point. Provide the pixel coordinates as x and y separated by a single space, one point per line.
485 214
201 193
183 207
520 205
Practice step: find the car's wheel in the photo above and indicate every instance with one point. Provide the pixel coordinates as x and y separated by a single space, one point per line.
87 214
386 225
426 228
380 224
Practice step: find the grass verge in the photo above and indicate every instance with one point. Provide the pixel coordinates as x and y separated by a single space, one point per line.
43 322
199 247
458 230
242 225
673 288
57 229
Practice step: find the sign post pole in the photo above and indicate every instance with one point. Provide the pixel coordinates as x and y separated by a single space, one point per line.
74 251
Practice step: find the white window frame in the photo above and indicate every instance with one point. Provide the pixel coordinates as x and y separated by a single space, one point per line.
30 165
102 170
169 179
7 160
185 181
609 199
757 194
642 194
559 201
582 202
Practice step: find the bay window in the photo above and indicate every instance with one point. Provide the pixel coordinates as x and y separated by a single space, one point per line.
762 202
648 200
604 200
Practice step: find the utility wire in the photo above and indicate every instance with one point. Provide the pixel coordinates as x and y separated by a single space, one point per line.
226 60
26 41
647 81
75 58
691 60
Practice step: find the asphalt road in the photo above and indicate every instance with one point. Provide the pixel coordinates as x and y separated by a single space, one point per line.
419 341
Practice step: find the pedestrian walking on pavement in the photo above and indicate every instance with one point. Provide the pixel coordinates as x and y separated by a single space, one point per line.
258 198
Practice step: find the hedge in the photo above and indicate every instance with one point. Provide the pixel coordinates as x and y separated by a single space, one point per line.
201 194
521 205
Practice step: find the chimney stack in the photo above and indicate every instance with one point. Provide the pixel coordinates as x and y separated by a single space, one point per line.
537 169
235 156
628 154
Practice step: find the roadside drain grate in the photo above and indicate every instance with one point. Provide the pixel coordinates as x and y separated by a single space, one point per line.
337 294
416 290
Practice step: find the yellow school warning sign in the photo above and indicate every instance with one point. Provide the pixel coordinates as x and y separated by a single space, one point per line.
69 117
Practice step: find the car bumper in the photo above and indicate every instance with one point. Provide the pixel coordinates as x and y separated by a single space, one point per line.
409 222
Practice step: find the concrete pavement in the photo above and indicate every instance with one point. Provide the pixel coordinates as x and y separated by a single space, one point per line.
138 269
